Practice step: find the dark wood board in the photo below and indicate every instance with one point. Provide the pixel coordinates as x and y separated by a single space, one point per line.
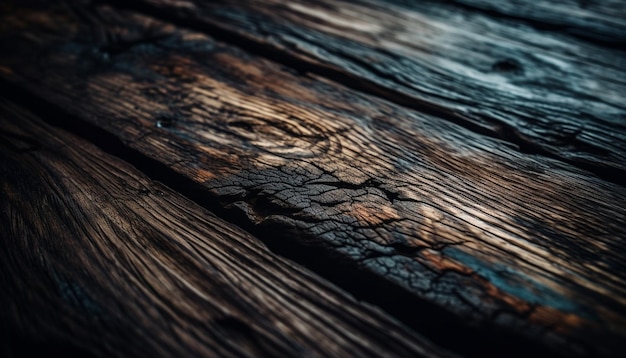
545 92
504 241
98 260
595 20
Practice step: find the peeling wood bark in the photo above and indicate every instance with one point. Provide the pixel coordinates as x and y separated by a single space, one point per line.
98 260
522 244
543 92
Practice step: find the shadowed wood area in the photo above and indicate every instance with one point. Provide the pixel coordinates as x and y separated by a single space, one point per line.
506 237
119 265
543 92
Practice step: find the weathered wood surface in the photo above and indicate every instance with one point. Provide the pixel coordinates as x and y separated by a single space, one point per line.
522 245
98 260
597 20
544 92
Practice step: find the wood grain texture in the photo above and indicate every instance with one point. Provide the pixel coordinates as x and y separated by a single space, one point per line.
518 243
97 259
544 92
596 20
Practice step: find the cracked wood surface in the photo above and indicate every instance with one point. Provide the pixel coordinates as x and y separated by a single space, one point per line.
544 92
503 240
98 260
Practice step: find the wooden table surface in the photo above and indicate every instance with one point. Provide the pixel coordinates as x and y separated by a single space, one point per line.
313 178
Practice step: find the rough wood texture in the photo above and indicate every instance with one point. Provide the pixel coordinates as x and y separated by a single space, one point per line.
97 260
523 244
546 93
597 20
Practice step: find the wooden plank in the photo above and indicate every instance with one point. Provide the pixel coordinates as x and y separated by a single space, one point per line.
519 245
99 260
596 20
546 93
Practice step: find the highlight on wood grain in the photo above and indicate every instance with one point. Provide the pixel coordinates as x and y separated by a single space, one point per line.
541 91
594 20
